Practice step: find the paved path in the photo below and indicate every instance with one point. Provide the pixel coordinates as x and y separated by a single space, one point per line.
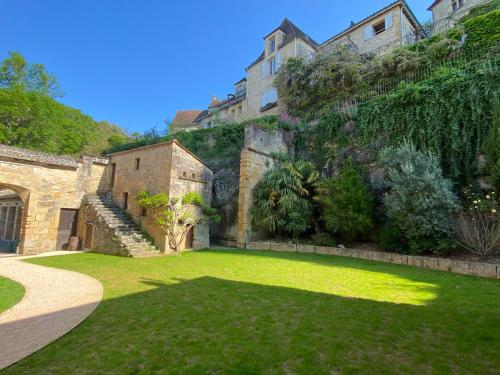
55 302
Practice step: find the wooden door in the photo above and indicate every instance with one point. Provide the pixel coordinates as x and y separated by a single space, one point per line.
189 239
89 236
113 174
68 220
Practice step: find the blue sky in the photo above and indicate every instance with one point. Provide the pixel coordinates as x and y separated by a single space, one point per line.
135 62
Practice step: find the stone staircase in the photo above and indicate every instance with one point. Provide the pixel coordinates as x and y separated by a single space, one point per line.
119 234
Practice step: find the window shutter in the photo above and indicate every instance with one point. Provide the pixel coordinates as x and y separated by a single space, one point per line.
388 21
367 32
278 60
264 69
273 95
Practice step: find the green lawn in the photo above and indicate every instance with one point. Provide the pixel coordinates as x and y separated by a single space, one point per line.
250 312
10 294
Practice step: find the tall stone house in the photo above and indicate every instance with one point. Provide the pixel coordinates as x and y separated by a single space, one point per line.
446 13
255 95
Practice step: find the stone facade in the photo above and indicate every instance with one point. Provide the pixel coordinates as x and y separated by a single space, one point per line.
379 33
262 96
256 159
390 27
47 184
162 168
446 13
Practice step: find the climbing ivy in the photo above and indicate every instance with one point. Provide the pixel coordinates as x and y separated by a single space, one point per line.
449 115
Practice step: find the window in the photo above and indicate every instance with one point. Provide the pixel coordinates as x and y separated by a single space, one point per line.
378 28
457 4
272 45
193 176
269 96
144 212
113 174
125 201
232 113
240 110
137 164
272 65
263 68
184 174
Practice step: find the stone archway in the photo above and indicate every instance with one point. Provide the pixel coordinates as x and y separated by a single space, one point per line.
13 213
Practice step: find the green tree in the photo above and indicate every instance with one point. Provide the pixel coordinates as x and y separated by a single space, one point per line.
283 199
177 216
419 201
347 205
16 72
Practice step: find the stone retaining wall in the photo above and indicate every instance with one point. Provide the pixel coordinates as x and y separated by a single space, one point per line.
457 266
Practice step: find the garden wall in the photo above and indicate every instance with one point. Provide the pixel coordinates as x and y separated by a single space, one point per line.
257 157
489 270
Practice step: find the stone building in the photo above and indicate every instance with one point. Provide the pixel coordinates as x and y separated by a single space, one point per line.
48 191
50 202
233 109
446 13
255 95
286 41
185 120
390 27
161 168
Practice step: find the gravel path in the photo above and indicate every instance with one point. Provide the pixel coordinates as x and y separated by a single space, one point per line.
55 302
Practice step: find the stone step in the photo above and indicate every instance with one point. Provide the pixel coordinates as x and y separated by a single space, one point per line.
126 232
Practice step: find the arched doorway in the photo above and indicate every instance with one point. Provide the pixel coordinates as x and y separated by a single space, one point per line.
12 209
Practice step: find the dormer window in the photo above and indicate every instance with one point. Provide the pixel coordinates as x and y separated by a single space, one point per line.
272 44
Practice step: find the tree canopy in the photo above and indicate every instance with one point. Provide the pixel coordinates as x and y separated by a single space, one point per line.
30 117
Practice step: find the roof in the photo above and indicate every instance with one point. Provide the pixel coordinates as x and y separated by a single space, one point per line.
37 157
244 79
434 4
373 15
202 115
229 101
185 117
291 32
173 141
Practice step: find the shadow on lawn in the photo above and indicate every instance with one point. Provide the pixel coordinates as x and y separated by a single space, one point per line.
212 325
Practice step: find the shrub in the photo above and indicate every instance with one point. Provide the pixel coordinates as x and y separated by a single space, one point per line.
391 238
347 205
478 225
323 239
483 31
282 200
419 200
492 149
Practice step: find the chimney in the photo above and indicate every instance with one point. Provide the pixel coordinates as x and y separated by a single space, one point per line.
214 100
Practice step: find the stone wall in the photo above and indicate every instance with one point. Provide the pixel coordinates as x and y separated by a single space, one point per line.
47 183
489 270
163 168
256 159
444 17
103 237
